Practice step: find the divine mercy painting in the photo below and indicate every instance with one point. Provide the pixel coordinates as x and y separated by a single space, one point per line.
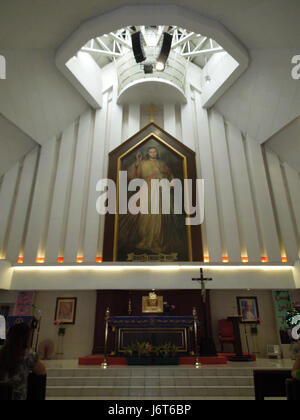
153 237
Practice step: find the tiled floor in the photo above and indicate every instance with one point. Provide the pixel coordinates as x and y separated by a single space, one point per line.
234 381
259 364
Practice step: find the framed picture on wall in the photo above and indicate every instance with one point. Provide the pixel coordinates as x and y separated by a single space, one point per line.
248 310
65 311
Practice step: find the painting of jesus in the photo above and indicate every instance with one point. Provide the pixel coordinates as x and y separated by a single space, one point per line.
146 236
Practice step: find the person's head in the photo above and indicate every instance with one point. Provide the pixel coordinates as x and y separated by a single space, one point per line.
18 341
248 306
152 153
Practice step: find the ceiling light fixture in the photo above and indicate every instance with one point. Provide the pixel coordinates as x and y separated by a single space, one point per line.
160 66
137 46
164 52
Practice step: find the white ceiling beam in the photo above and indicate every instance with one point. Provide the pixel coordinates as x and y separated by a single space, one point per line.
182 40
120 40
104 52
200 44
209 50
102 43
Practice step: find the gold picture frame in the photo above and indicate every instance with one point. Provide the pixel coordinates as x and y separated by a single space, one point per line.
152 306
65 311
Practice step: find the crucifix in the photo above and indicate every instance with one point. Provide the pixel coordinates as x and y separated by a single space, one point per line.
202 279
152 110
207 345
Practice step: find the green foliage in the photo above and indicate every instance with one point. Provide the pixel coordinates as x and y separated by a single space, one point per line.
139 349
145 349
166 350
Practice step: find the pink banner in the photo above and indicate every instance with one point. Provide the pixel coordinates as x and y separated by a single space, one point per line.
23 305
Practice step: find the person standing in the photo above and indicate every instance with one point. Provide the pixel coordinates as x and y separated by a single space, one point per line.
16 361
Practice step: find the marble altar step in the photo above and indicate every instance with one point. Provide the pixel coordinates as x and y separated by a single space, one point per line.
145 383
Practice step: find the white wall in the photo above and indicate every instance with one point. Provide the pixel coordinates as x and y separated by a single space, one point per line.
105 277
6 273
79 338
251 205
224 304
38 99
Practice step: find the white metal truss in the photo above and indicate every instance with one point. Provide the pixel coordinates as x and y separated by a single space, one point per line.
188 44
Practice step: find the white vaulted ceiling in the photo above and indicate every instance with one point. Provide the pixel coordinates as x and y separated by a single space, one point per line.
44 24
41 103
14 144
286 144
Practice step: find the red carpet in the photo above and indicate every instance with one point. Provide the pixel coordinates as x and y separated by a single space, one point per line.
221 359
97 360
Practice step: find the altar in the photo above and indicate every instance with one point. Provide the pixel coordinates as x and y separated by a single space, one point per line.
178 330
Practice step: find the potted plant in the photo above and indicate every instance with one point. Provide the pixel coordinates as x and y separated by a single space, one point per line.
139 354
166 354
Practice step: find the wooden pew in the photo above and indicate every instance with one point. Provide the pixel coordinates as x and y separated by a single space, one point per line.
293 390
270 383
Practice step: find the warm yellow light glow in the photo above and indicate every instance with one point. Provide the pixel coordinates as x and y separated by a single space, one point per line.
160 66
104 267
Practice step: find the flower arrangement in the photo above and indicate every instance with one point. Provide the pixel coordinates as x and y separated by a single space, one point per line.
139 349
61 330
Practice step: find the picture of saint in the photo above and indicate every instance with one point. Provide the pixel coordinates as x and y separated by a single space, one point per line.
65 310
248 309
153 234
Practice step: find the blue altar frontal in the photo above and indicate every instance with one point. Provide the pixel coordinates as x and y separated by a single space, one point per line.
153 329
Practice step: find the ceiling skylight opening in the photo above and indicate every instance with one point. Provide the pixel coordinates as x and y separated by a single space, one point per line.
193 47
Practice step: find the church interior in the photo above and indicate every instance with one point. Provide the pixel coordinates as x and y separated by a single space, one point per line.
200 91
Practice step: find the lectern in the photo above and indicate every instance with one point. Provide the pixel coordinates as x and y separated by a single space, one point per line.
238 349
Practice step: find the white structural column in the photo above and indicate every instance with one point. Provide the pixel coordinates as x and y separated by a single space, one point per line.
78 192
134 118
106 139
115 121
61 194
248 228
288 234
23 201
38 222
170 119
293 184
98 156
224 189
211 216
7 195
262 200
187 121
